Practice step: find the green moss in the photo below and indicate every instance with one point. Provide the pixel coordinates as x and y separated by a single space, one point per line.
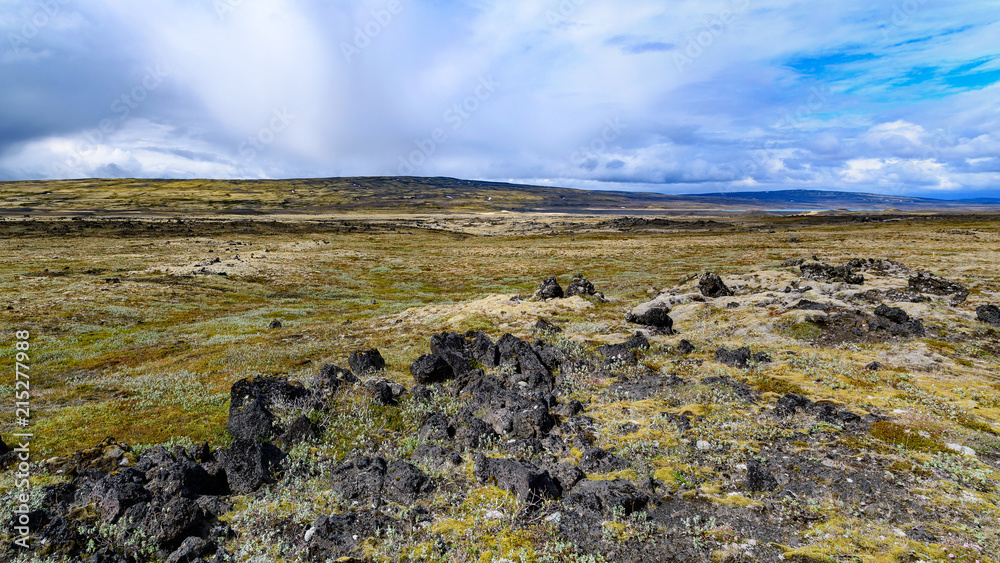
904 437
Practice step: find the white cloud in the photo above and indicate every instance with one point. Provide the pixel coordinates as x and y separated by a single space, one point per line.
726 94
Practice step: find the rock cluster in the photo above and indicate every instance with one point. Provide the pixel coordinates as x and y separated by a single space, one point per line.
512 415
926 282
820 271
173 498
579 285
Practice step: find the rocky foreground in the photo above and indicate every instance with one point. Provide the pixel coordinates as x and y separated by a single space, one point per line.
656 447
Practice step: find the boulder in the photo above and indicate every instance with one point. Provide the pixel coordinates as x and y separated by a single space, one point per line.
711 285
448 342
181 478
740 357
169 524
300 430
545 327
597 460
250 416
551 357
566 476
483 350
431 368
790 404
435 427
653 313
759 478
382 391
684 348
360 479
533 421
116 493
404 483
580 286
331 378
527 483
366 362
60 537
192 550
338 536
989 314
474 433
895 321
602 498
550 289
250 464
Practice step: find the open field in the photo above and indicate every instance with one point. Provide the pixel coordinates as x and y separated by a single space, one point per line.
140 327
319 197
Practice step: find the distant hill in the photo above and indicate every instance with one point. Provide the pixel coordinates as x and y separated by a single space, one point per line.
410 195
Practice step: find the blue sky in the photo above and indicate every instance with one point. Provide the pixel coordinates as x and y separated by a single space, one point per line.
896 96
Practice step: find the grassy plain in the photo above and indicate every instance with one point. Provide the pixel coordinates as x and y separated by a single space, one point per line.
137 333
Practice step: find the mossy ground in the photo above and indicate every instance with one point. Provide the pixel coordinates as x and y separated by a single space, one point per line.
149 358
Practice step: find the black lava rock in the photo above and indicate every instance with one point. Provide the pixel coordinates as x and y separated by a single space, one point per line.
404 483
711 285
550 289
251 464
527 483
580 286
759 478
366 362
431 368
926 282
989 314
597 460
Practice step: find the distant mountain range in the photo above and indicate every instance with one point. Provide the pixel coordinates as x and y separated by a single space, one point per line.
415 195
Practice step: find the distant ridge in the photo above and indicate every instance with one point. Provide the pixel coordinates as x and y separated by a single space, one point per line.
392 194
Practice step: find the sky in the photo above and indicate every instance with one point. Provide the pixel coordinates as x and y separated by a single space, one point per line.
895 97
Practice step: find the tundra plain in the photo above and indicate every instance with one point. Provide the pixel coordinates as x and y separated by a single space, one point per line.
141 324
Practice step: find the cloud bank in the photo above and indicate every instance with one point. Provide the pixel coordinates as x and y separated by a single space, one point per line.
681 96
